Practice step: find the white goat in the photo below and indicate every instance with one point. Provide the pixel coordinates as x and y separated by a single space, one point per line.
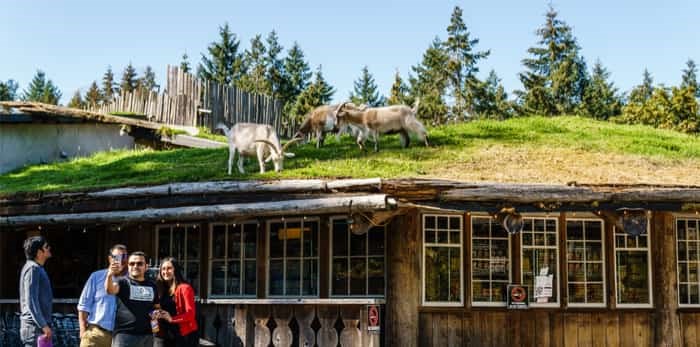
374 121
249 139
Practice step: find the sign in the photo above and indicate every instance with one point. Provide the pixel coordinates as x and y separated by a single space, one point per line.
543 285
517 297
373 318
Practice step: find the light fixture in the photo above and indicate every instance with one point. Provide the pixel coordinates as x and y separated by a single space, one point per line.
633 221
510 220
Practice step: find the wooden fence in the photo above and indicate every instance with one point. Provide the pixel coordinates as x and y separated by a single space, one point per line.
189 101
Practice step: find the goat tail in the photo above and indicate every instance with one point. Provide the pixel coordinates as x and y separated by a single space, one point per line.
415 107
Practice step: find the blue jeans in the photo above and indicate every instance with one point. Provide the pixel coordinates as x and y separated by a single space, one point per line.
129 340
28 332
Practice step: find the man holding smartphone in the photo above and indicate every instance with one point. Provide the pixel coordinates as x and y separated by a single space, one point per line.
96 308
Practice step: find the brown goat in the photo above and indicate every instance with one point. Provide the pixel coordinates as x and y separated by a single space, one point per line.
321 121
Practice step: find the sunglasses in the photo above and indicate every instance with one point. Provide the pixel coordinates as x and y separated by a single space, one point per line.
137 263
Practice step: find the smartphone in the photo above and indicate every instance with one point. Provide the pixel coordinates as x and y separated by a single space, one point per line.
118 258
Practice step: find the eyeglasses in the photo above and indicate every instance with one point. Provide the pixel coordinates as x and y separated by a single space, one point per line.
138 263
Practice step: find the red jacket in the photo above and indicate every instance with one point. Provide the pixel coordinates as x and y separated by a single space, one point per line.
184 305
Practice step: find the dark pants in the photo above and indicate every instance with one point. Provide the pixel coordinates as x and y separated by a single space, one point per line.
28 332
128 340
190 340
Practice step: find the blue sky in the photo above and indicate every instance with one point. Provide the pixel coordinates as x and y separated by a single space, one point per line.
75 41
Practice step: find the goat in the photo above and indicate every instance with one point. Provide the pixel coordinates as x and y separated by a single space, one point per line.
374 121
320 121
249 139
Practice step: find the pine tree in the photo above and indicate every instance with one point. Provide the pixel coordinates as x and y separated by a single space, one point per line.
399 91
365 90
8 90
600 99
491 99
77 100
93 96
430 82
129 79
254 80
689 78
644 91
318 93
185 64
224 64
462 64
297 77
557 76
43 90
275 65
109 87
147 83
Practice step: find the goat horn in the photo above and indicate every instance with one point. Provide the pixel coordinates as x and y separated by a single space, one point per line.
289 143
272 145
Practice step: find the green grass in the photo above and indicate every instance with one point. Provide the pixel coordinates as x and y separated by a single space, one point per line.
450 146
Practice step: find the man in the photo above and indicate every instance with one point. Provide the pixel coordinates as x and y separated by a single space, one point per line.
136 298
97 309
35 293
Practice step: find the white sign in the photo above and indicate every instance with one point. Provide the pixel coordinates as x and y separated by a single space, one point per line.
543 285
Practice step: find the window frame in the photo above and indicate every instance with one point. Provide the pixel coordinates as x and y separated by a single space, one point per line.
285 220
424 245
183 262
242 258
331 257
686 218
603 263
471 261
556 285
649 271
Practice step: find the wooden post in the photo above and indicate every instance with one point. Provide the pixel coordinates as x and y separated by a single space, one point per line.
327 336
667 322
261 314
305 315
282 335
351 335
403 281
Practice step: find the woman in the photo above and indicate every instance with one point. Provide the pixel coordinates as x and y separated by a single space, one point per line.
178 326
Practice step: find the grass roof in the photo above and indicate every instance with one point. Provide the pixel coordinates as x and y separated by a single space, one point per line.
519 150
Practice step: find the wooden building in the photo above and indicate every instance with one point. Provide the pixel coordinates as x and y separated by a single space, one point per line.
308 262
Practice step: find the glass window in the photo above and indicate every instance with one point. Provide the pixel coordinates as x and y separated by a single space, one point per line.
585 261
490 261
687 245
632 269
540 261
232 263
357 267
183 242
293 255
442 260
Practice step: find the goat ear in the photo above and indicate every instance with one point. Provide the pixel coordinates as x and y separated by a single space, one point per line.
289 155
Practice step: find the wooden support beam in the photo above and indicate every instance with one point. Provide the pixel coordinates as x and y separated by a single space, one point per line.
668 326
273 208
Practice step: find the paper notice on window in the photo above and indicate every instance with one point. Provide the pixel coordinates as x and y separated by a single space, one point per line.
543 285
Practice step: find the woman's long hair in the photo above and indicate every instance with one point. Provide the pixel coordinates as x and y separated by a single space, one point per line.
169 286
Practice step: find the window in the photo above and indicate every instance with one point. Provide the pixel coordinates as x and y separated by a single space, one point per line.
490 262
357 267
540 261
233 268
293 257
181 241
585 261
632 270
688 261
442 260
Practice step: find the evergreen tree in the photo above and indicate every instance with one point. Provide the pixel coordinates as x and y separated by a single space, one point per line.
224 64
399 91
129 79
297 76
185 64
147 83
600 99
690 77
430 83
318 93
676 110
462 64
77 100
491 99
365 90
254 80
644 91
93 96
43 90
275 65
109 87
557 76
8 90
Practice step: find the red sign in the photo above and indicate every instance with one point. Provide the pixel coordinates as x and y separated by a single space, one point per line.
372 318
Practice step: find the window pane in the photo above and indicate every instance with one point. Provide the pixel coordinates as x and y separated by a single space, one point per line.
442 222
593 230
680 229
293 284
276 277
594 293
310 284
193 244
340 276
577 292
340 238
192 274
163 242
276 240
575 251
442 236
574 230
234 241
358 244
250 275
497 230
594 251
576 272
429 222
375 276
436 274
481 291
234 278
250 238
480 270
594 272
683 294
293 235
178 249
218 281
480 249
376 241
455 266
498 291
310 239
480 227
429 236
633 277
358 276
218 242
455 223
527 239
